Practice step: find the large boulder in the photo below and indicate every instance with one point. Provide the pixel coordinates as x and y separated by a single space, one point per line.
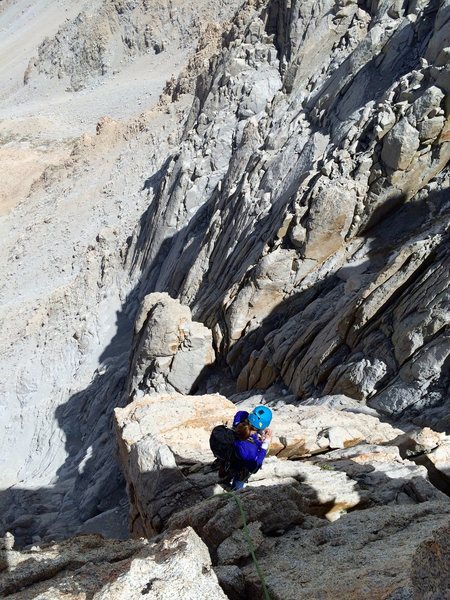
171 350
365 555
161 438
400 145
176 566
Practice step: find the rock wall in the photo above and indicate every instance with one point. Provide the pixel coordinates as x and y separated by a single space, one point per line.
104 35
170 350
304 217
69 300
90 566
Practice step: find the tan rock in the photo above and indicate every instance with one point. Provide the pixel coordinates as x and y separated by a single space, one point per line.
157 435
431 128
183 423
165 455
93 567
418 441
257 301
438 463
441 457
307 430
170 350
325 491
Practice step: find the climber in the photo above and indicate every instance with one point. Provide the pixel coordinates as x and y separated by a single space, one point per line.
241 450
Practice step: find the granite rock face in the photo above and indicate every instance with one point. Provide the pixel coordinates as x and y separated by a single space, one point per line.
159 436
353 509
168 466
280 216
171 351
104 36
377 552
309 228
77 167
431 566
92 567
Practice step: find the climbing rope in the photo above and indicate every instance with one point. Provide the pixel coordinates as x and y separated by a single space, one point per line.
248 539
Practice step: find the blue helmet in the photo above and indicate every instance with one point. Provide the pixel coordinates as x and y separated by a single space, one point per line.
260 417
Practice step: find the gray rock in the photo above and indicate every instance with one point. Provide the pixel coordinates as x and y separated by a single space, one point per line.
110 569
358 379
430 573
236 547
379 548
400 145
295 203
102 38
430 129
171 351
231 581
382 476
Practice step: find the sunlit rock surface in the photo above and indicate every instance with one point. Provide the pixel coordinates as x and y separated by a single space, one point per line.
93 567
355 501
249 198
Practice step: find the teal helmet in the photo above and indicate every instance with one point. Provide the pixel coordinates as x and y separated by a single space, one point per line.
260 417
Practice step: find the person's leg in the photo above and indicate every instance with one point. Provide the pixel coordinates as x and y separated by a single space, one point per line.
237 484
223 472
225 476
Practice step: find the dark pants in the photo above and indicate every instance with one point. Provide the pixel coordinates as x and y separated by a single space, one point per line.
233 475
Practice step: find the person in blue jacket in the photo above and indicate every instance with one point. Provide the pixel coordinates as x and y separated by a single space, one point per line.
252 441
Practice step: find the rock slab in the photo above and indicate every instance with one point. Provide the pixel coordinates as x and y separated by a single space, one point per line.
175 566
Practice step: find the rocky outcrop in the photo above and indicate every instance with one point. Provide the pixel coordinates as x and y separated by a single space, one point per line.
381 503
159 438
165 456
437 461
104 36
308 229
171 351
91 566
431 566
68 303
374 552
291 189
306 430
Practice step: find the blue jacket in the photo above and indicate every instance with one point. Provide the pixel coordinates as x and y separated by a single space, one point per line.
250 451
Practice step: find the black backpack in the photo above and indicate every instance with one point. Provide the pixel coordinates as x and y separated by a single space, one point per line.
221 443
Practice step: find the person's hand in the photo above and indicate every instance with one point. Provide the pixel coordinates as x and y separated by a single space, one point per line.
267 434
266 438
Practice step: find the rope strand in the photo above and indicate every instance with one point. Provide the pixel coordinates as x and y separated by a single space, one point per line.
248 539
